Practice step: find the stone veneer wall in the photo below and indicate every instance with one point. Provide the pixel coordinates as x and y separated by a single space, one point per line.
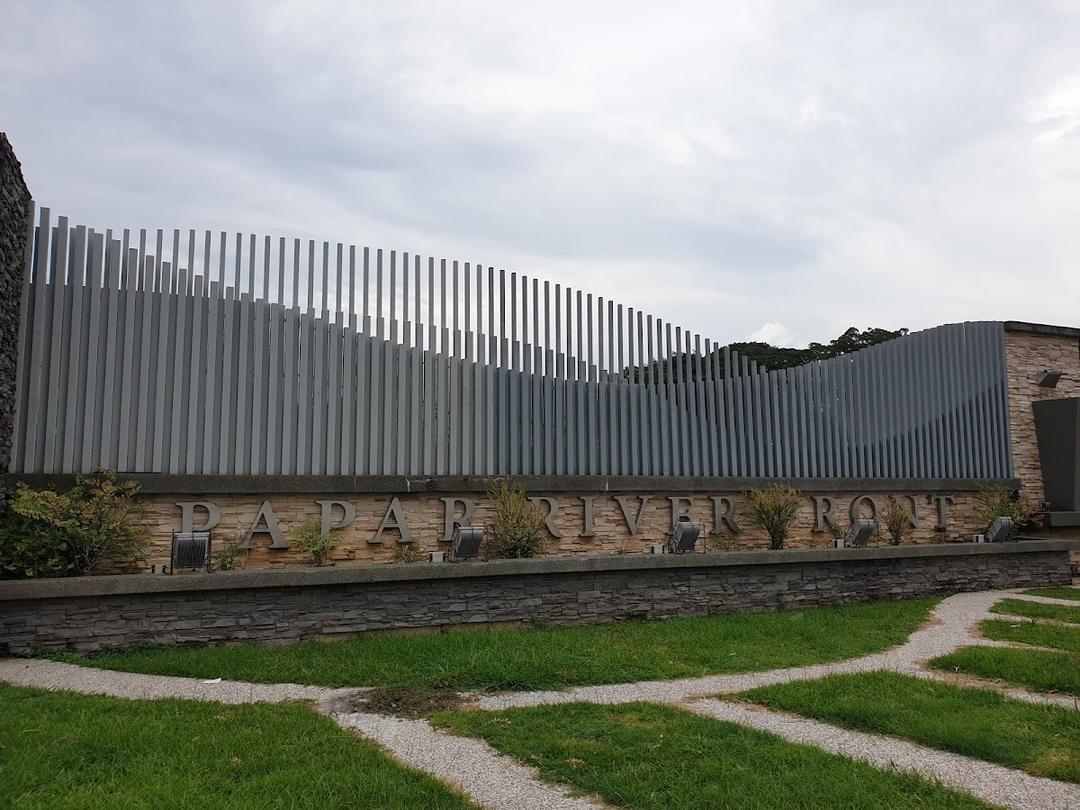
1027 354
425 514
14 220
280 606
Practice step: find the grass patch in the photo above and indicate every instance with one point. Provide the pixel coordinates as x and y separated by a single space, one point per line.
1037 610
1042 740
545 658
1034 632
60 750
641 755
1038 670
1056 592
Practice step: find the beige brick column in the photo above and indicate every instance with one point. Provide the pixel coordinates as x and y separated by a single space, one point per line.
1029 350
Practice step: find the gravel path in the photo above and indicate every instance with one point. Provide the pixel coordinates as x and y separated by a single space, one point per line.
1046 600
1008 617
992 783
43 674
965 679
949 628
470 765
497 781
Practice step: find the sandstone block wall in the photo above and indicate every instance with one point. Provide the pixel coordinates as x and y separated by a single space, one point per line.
425 516
1027 355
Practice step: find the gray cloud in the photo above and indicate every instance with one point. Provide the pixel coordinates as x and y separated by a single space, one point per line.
805 166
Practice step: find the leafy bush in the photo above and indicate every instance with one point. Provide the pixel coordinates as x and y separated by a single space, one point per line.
31 549
774 509
97 520
994 502
231 555
515 529
896 521
309 538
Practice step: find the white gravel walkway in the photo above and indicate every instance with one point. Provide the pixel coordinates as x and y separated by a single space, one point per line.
1038 698
43 674
992 783
1008 617
472 766
497 781
949 628
1046 600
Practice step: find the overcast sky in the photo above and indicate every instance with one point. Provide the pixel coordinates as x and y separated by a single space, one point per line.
751 170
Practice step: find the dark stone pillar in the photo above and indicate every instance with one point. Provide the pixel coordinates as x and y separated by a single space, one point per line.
15 214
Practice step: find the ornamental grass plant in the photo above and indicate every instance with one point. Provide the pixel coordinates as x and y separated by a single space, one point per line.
774 509
515 529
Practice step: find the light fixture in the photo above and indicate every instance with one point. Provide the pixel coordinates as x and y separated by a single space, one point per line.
1048 379
1001 530
466 541
684 535
190 550
860 533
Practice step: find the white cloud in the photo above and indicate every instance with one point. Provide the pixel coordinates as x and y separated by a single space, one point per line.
774 333
724 165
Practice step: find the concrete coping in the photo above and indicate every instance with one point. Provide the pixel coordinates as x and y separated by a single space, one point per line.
427 572
1045 329
160 484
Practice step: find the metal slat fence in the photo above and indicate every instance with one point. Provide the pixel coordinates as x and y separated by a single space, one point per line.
316 360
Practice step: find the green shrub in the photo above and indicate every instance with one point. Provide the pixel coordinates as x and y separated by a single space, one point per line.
994 502
515 529
31 549
309 538
774 509
231 555
409 553
97 520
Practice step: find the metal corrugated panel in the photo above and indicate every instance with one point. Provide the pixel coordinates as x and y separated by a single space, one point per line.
134 363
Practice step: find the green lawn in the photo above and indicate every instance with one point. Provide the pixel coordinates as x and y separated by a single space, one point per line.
641 755
1037 610
1034 632
60 750
553 657
1042 740
1056 592
1039 670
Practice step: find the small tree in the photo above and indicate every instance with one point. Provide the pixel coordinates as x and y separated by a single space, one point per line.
994 502
97 520
774 509
896 521
309 538
515 529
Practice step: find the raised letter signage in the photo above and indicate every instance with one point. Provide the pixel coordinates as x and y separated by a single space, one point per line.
449 521
187 516
269 525
348 515
393 518
632 521
549 519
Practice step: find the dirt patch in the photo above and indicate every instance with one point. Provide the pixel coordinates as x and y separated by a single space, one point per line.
408 701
